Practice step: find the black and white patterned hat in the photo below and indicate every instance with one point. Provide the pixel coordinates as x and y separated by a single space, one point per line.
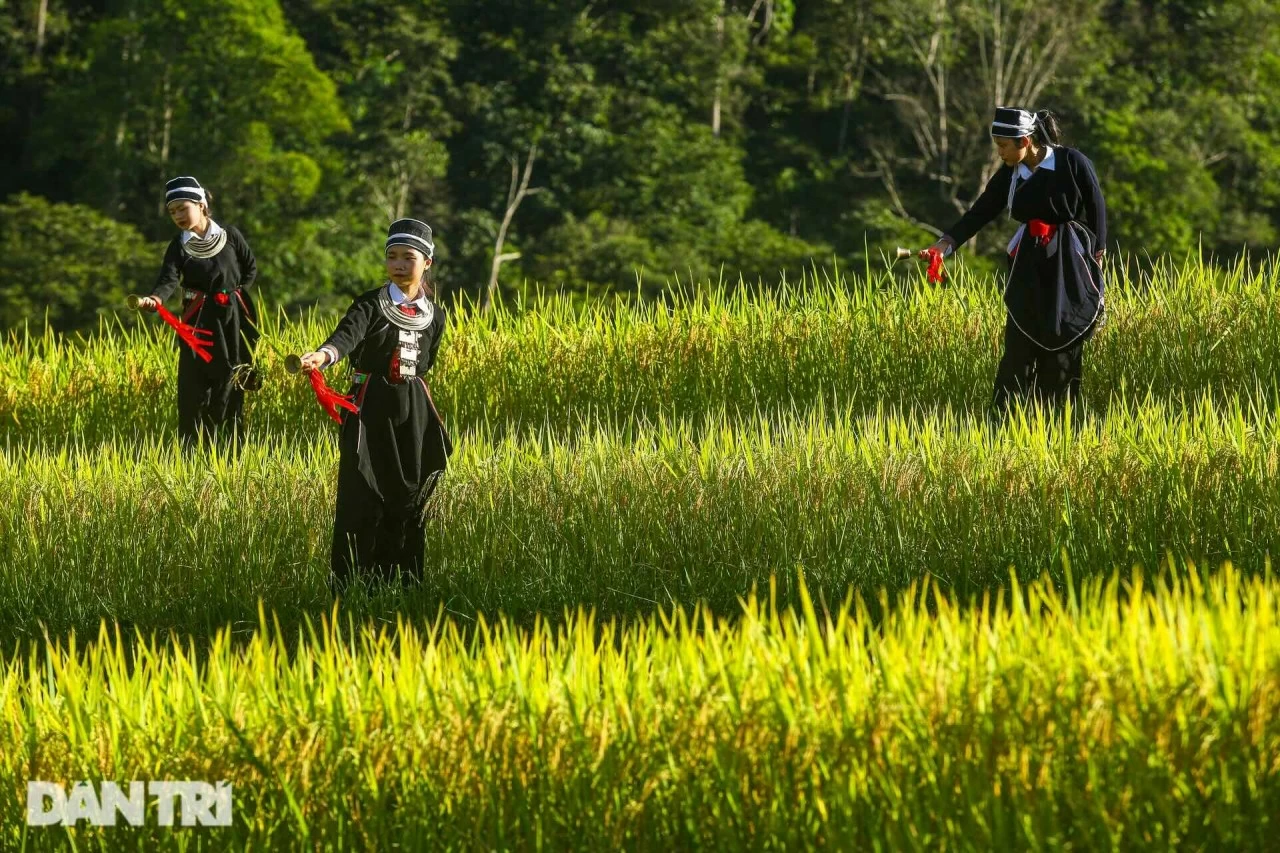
184 189
413 233
1013 123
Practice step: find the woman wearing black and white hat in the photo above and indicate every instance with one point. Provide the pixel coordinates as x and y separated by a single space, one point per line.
395 449
215 266
1054 291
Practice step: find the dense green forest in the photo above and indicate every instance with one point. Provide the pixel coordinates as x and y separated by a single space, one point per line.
589 146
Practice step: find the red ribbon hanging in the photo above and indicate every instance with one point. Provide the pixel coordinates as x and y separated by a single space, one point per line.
329 399
200 340
935 265
1042 231
1039 230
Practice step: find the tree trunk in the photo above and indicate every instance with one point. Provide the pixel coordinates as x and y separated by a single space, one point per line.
518 189
406 172
845 115
122 130
42 16
167 131
715 98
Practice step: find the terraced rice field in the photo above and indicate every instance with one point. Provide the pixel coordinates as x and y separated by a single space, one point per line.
737 571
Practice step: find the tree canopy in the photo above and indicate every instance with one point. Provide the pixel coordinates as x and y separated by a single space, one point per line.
585 146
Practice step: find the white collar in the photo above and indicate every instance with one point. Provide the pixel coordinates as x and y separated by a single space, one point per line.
1047 163
214 230
398 297
1024 174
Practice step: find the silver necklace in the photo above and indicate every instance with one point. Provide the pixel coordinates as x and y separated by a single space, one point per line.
206 247
398 318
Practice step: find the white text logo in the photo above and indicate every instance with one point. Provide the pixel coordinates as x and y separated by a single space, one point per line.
194 803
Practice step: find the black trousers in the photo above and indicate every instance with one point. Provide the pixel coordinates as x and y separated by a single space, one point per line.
1028 373
210 406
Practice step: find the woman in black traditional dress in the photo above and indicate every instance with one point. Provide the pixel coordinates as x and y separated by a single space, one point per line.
215 267
395 449
1054 290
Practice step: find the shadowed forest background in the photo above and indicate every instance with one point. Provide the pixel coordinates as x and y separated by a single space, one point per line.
583 146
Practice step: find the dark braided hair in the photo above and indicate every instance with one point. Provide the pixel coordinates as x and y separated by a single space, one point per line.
1048 130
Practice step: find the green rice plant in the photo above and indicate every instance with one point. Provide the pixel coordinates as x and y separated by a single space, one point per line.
1120 716
625 518
858 342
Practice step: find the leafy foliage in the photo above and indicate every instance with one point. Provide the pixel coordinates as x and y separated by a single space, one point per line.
66 263
689 138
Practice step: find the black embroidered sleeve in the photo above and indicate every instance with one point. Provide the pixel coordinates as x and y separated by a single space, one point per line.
352 328
988 206
244 256
442 319
1095 208
170 271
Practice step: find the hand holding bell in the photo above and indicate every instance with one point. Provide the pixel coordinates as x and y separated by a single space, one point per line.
305 363
137 303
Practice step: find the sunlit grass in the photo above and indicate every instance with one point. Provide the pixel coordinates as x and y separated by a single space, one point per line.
578 668
1115 718
1185 330
625 518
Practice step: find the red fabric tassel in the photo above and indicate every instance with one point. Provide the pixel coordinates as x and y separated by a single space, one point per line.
1042 231
200 340
329 399
935 266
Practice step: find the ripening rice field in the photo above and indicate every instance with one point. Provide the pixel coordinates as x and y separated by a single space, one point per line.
864 343
736 571
1116 718
660 517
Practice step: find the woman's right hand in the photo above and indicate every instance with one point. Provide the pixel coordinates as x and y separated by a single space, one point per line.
314 361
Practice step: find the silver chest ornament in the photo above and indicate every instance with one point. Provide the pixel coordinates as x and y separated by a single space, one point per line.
404 360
